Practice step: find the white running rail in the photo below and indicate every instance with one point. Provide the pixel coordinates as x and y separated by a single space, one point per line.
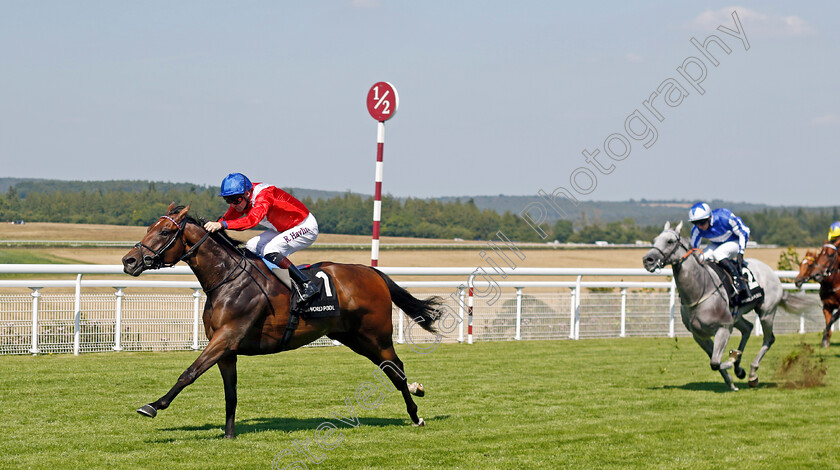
491 304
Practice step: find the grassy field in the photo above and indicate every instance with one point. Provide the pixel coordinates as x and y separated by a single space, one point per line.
629 403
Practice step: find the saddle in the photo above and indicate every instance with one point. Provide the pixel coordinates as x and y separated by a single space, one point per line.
324 305
754 293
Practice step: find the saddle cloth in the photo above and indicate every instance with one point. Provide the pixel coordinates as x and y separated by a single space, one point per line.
325 304
755 291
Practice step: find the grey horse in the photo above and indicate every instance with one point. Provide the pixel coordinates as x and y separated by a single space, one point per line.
705 308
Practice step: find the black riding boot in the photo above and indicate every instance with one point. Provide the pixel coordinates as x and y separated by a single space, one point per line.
737 279
305 287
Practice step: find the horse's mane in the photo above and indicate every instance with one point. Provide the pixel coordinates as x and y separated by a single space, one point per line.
220 236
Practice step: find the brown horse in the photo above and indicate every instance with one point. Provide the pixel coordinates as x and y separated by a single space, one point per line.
806 268
824 270
247 308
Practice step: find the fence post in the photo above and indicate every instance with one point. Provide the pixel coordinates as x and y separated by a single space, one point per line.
671 307
461 314
572 314
623 312
196 316
401 336
470 286
118 320
518 334
77 322
577 308
36 294
802 315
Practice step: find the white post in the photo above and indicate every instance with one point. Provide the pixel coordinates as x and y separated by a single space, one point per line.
118 321
802 315
401 336
196 316
77 326
623 313
518 334
572 314
36 294
471 287
577 308
461 315
671 307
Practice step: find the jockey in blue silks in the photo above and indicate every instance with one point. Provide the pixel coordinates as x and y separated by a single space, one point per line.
728 237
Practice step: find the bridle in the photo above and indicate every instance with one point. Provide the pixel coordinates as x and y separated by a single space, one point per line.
661 263
810 259
676 264
831 266
155 260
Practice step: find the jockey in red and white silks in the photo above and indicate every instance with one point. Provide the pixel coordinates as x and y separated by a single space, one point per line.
291 227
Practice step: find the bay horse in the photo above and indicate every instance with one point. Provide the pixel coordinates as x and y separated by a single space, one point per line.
705 305
247 308
806 268
824 270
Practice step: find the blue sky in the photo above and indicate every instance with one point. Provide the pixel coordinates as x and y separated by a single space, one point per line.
495 97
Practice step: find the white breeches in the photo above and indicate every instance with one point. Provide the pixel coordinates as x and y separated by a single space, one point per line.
717 252
285 243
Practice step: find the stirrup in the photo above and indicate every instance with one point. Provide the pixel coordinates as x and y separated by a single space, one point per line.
307 291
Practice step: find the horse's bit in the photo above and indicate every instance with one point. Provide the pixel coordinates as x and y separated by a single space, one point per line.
661 264
832 265
155 261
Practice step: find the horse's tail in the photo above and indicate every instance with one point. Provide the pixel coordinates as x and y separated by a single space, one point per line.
424 312
797 302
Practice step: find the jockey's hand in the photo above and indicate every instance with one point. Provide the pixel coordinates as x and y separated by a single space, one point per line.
212 226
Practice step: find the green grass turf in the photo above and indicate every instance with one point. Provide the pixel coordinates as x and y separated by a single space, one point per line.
618 403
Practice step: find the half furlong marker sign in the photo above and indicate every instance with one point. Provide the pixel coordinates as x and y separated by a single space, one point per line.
382 104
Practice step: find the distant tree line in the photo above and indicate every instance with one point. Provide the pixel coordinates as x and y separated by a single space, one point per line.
346 214
143 202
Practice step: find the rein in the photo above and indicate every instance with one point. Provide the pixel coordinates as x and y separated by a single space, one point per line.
831 267
155 261
677 264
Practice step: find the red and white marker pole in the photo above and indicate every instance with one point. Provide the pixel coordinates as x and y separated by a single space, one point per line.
382 104
377 194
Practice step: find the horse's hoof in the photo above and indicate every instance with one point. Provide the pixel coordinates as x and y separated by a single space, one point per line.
147 410
825 343
417 389
420 423
753 382
740 373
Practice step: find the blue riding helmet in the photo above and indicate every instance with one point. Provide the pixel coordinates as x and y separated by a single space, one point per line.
235 183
